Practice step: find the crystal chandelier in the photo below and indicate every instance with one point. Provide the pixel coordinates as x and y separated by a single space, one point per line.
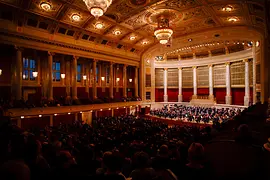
97 7
163 32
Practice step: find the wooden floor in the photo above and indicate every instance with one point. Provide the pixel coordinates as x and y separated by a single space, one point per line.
178 122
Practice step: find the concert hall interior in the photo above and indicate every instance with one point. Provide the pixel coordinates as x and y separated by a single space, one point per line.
80 60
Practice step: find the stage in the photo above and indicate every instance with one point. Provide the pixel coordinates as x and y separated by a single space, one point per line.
176 121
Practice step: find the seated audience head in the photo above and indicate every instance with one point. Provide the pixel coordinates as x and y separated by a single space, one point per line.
195 153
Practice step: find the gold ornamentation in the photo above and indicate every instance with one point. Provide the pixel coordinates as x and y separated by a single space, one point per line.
227 63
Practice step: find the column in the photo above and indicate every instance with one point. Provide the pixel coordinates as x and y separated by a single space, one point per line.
94 86
50 73
74 78
165 84
211 85
136 82
194 82
180 80
112 112
254 73
18 74
228 97
247 90
87 79
111 80
125 80
67 78
51 120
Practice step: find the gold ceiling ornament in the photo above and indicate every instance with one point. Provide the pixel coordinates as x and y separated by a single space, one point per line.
163 32
97 7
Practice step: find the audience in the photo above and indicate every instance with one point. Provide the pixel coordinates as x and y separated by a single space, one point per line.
129 147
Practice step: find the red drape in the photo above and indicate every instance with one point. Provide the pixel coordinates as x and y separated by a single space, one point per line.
173 95
187 94
238 96
159 93
220 94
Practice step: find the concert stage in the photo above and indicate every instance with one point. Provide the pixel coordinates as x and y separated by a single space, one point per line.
178 122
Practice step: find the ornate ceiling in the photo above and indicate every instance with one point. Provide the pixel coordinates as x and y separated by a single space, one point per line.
131 23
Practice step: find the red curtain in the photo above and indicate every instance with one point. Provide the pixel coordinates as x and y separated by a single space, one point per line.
220 94
251 95
203 91
187 94
173 95
159 93
238 96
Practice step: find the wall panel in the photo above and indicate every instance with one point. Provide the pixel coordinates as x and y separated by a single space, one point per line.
238 74
203 76
172 77
219 75
187 74
159 75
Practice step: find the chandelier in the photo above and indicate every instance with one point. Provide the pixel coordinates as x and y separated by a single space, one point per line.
163 32
97 7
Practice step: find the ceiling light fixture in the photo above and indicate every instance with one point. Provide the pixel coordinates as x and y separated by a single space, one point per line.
132 38
99 25
117 32
97 7
45 6
144 42
76 17
227 8
189 40
232 19
163 33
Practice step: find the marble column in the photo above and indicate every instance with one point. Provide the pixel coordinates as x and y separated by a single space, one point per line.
74 77
136 82
180 81
194 82
18 74
165 81
125 80
94 86
111 80
211 84
247 90
254 73
50 75
228 97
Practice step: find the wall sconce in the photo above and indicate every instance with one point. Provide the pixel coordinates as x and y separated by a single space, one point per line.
117 79
63 76
84 77
130 80
102 78
0 72
35 74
